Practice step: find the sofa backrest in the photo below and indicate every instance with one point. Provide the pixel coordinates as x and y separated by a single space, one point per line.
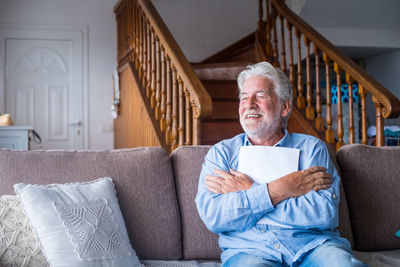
143 180
198 242
371 178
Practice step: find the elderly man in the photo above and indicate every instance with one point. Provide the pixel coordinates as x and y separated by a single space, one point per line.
301 206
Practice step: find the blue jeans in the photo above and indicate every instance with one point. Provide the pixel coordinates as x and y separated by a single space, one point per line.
329 254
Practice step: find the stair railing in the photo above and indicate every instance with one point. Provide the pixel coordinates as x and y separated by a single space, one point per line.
175 96
276 37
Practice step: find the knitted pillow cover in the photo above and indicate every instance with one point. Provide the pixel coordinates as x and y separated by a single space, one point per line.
18 246
78 224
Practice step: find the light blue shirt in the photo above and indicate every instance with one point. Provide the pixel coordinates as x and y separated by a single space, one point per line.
311 219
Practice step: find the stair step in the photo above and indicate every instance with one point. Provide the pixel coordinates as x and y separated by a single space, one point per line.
222 89
223 109
219 71
216 130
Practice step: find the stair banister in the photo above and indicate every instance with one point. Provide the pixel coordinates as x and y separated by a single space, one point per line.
385 97
198 93
163 74
386 104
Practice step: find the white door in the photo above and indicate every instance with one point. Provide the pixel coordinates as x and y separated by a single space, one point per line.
44 86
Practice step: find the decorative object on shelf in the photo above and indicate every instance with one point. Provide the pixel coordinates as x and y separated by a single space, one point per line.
116 101
5 120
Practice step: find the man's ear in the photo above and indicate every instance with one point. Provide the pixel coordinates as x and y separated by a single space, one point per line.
285 108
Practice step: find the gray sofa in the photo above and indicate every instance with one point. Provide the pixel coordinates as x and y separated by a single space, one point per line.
156 194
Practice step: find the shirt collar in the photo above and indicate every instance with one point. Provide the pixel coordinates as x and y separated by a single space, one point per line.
284 142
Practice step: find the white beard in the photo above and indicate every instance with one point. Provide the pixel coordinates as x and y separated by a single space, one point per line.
265 129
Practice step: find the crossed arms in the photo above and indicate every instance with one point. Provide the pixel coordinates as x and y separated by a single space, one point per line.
229 201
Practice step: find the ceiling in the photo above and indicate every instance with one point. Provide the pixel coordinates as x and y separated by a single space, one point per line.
362 14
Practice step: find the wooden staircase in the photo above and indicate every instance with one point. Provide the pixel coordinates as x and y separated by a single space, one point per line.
219 79
165 101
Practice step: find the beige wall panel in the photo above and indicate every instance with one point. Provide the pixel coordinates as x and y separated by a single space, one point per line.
133 127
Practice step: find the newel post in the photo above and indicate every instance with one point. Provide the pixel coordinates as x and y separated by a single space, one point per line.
379 123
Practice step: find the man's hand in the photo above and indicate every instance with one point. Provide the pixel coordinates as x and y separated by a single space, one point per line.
226 182
299 183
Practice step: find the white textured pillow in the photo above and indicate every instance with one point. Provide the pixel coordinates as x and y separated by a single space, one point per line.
78 224
18 246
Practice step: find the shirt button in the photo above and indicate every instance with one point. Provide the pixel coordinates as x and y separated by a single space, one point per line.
277 246
334 196
262 230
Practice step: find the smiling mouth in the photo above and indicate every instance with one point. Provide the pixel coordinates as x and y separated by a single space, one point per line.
253 116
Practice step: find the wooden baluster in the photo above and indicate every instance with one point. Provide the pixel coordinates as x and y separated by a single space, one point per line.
301 102
168 119
138 44
144 52
349 82
260 15
329 133
291 64
123 29
153 70
181 113
148 74
158 80
196 125
174 133
145 76
274 17
188 117
122 37
310 111
133 33
340 132
118 16
379 141
363 94
129 29
319 122
283 48
268 19
163 91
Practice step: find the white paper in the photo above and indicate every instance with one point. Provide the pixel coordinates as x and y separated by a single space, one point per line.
264 164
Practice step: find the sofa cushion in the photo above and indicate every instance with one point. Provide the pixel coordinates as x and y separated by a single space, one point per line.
371 181
18 246
143 180
198 241
78 224
383 258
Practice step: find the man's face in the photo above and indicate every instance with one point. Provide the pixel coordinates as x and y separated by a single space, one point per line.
260 110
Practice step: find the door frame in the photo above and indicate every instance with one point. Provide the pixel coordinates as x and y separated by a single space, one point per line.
58 32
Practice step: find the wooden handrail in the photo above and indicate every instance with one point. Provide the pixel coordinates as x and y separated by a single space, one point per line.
163 72
338 67
391 104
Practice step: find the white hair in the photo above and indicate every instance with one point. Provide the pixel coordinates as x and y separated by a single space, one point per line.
282 86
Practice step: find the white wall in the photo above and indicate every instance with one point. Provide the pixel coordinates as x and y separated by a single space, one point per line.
388 76
204 27
99 17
